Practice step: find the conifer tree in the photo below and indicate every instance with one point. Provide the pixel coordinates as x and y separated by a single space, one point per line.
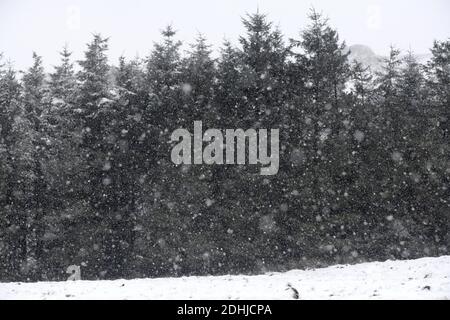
362 78
98 119
62 80
198 74
36 108
324 59
228 95
388 77
263 58
13 218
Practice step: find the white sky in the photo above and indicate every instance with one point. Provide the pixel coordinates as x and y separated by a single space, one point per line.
133 25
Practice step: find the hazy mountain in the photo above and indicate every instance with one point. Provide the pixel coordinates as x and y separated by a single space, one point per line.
368 57
365 55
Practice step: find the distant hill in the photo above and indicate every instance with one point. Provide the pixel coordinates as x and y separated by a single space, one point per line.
369 58
366 56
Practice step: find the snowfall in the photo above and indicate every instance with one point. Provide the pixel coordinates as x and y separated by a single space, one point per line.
425 278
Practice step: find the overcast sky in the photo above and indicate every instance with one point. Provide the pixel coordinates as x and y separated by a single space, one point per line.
133 25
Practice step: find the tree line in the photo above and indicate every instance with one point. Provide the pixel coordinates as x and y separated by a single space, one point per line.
86 176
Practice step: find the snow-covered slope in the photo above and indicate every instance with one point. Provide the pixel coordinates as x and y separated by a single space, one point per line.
426 278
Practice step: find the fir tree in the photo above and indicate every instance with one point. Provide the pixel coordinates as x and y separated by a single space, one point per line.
36 107
198 74
362 78
263 60
13 218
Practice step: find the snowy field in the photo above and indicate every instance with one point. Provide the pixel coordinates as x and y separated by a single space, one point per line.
426 278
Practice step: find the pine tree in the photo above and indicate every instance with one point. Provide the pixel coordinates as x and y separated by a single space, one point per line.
36 104
228 95
163 66
263 59
13 218
411 82
63 81
321 60
98 118
164 90
388 77
438 71
64 162
362 79
172 103
198 74
438 79
324 59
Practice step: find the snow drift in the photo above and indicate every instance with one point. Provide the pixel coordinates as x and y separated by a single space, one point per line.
425 278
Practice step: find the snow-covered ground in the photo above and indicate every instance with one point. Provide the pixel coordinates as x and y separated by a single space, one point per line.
426 278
